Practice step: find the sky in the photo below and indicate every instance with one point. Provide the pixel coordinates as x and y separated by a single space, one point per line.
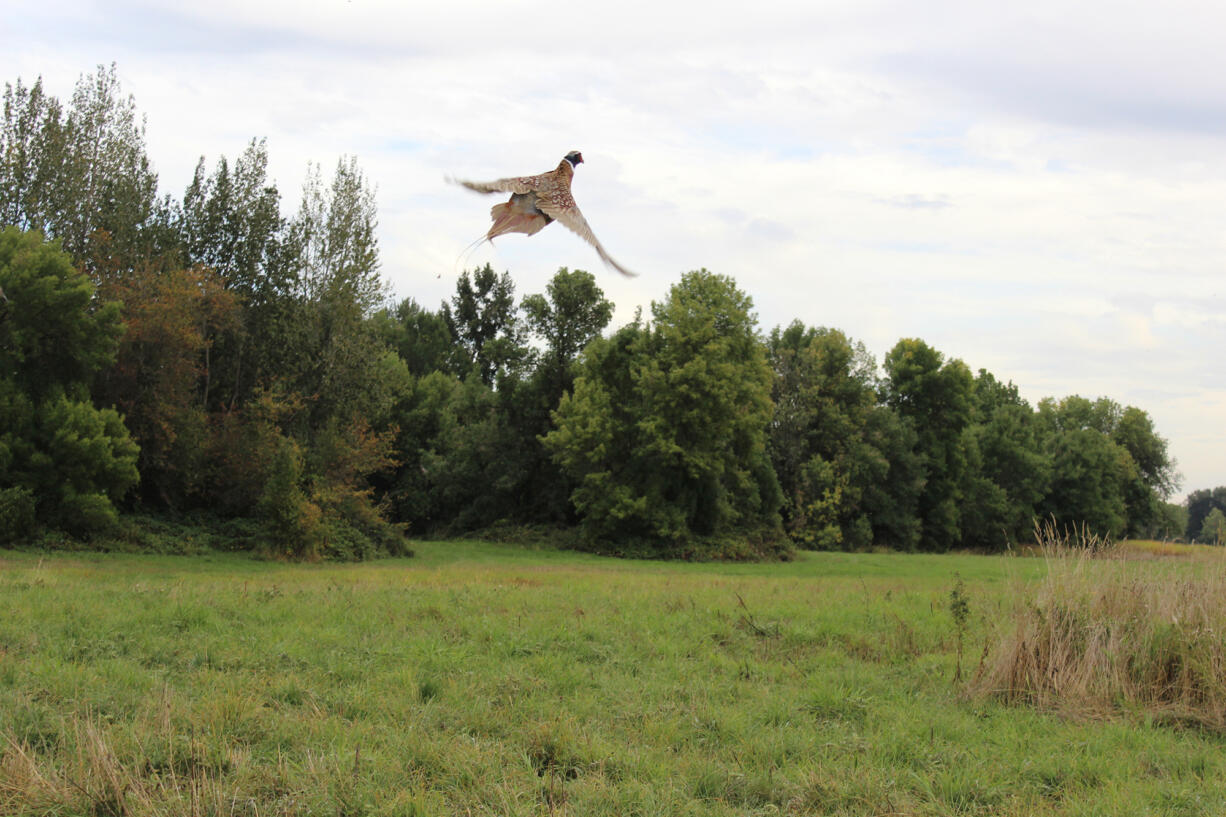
1037 189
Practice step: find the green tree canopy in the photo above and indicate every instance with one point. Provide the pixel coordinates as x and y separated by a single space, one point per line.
936 396
80 173
419 336
482 319
665 432
231 222
824 392
1007 469
1214 529
1088 473
566 318
54 337
1200 504
1110 469
68 461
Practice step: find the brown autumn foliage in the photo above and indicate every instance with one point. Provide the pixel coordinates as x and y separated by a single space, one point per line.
161 376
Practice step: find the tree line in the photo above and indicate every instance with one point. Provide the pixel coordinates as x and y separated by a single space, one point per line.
207 356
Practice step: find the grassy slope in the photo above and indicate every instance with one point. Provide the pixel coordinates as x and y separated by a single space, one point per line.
482 679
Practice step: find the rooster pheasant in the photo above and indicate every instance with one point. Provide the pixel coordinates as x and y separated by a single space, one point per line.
537 200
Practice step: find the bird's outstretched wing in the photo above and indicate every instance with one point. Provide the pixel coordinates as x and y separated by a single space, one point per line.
568 215
513 184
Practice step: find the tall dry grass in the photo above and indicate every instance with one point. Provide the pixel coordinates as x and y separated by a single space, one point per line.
1103 634
90 779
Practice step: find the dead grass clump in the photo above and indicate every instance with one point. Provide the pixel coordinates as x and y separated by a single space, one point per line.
90 779
1078 542
1098 637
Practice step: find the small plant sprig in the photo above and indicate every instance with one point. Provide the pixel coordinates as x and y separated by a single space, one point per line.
960 609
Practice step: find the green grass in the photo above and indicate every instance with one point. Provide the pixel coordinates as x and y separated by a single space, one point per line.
486 679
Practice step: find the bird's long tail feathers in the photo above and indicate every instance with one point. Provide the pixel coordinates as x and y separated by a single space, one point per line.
468 251
515 216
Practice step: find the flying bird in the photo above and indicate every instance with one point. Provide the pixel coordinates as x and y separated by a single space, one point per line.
537 200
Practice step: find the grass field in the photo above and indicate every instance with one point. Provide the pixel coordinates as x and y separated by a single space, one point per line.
492 680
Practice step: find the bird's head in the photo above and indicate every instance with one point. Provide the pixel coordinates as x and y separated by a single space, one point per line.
574 157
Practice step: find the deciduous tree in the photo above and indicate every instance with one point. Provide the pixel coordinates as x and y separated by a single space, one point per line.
824 391
665 432
1200 504
419 336
1007 468
161 376
1213 530
935 395
483 321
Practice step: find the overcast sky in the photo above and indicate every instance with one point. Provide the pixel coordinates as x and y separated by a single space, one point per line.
1036 188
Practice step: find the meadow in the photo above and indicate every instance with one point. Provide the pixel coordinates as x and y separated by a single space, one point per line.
485 679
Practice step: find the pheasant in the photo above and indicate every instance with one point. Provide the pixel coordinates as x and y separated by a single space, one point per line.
537 200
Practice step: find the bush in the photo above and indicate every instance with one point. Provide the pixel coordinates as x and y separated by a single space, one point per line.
343 540
16 515
175 535
768 544
291 521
